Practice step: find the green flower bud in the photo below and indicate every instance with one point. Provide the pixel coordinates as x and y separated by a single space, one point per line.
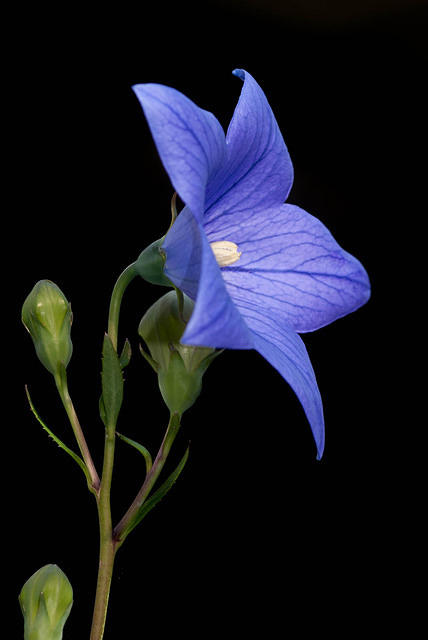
46 600
47 316
179 367
150 264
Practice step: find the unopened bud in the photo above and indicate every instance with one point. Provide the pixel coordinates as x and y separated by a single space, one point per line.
180 367
46 600
47 316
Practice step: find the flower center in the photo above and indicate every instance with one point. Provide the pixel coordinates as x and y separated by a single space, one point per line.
226 253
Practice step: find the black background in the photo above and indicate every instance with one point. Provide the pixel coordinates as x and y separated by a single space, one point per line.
256 535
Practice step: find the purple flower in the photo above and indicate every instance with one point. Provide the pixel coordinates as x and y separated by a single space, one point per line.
260 271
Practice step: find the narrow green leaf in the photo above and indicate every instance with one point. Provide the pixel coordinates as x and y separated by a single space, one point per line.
71 453
112 383
125 356
157 496
140 448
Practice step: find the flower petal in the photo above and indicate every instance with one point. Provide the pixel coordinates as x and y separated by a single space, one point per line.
217 322
285 351
292 266
190 141
183 249
258 172
191 265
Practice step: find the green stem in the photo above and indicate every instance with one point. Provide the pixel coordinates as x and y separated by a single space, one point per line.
116 300
62 386
121 529
107 544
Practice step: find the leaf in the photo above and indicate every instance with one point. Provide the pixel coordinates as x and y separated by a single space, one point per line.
71 453
157 496
140 448
125 356
112 384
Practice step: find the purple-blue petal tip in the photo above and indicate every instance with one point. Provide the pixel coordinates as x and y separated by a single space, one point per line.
239 73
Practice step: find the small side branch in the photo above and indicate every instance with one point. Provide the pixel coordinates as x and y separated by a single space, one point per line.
126 523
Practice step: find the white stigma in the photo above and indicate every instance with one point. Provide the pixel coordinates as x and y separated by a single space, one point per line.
226 253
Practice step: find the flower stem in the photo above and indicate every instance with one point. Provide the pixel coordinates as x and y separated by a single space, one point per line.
62 386
107 545
116 300
123 527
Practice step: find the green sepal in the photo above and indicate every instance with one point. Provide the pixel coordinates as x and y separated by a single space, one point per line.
125 356
151 502
150 264
112 384
59 442
145 453
149 359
